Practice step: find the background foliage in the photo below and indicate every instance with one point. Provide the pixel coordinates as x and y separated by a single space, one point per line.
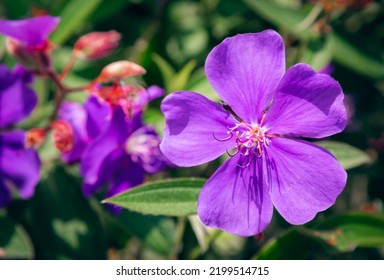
171 39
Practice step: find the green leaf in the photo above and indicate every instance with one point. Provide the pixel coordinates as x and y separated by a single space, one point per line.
175 197
295 244
199 83
347 155
73 16
348 231
319 53
166 70
14 241
179 81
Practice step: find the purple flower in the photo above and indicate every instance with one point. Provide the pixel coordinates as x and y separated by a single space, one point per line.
32 32
27 41
19 166
267 110
121 155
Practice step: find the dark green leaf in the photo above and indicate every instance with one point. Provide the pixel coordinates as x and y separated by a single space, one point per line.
176 197
347 155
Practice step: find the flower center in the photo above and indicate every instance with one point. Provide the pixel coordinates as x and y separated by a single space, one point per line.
250 140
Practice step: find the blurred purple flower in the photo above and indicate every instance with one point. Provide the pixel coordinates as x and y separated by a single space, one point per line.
267 111
121 155
27 40
89 120
19 166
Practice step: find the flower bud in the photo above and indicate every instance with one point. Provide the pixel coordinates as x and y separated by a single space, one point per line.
97 45
119 70
34 59
63 137
35 137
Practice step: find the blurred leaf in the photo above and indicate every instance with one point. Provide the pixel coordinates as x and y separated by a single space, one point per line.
73 16
180 79
60 221
166 70
318 54
200 84
154 231
174 197
343 51
347 155
346 53
296 244
283 17
14 241
346 232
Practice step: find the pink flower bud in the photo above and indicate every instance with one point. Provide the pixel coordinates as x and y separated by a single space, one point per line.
33 58
63 137
119 70
35 137
97 45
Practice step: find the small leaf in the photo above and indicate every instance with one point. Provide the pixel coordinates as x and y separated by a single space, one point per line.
166 69
176 197
14 241
73 15
200 84
348 231
180 79
347 155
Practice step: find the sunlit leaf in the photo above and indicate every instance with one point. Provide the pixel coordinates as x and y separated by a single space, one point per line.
180 79
347 155
176 197
346 232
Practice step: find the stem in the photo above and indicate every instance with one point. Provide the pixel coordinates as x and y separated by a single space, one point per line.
197 252
310 19
180 227
68 66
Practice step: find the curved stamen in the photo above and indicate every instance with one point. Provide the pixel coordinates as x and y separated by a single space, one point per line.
224 139
248 164
233 154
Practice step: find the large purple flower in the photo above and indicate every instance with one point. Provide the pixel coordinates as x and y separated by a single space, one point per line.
267 110
19 166
121 156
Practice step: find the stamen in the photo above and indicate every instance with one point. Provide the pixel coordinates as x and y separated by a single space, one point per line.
224 139
233 154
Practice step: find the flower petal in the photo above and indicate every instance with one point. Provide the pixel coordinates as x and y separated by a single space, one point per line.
98 115
235 199
5 194
17 100
307 105
304 179
32 31
245 70
19 165
102 157
75 114
192 124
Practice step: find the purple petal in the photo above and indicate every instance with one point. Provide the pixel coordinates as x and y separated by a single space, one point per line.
17 100
98 116
102 157
245 70
128 176
32 31
5 194
235 199
307 105
304 179
193 125
19 165
143 147
75 114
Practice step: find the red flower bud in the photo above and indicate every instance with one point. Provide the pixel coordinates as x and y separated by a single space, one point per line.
35 137
97 45
119 70
63 137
